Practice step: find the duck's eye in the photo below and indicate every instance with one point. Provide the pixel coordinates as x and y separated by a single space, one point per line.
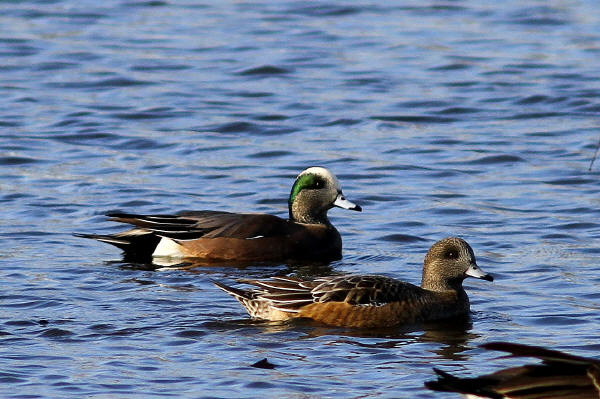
451 254
315 184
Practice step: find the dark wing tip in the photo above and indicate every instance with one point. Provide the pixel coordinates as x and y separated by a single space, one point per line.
120 215
235 292
549 355
479 386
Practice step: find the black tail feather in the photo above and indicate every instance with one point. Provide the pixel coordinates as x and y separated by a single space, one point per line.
478 386
137 248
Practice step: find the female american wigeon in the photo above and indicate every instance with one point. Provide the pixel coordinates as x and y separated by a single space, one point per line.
369 301
245 237
560 376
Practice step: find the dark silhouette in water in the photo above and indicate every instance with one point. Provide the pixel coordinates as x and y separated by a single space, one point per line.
559 376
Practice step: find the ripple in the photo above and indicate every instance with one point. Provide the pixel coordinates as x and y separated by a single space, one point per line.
11 378
191 334
147 3
252 94
536 99
270 154
160 68
495 159
99 84
540 21
559 320
259 385
342 122
558 236
576 226
54 66
536 115
264 70
591 108
56 333
326 10
237 127
452 211
18 160
570 181
451 67
413 119
401 238
252 128
85 138
459 110
10 124
157 113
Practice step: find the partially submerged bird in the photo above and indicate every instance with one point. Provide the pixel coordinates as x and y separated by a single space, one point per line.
559 376
223 236
368 300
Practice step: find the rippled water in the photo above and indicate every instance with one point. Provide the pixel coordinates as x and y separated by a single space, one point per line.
440 118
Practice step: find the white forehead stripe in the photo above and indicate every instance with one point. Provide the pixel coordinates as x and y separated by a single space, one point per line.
324 173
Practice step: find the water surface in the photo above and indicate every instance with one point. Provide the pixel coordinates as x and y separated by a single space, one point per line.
440 118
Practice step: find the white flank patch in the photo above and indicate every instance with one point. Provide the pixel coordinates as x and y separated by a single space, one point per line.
167 247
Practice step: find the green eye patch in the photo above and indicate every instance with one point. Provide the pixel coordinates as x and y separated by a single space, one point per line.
306 182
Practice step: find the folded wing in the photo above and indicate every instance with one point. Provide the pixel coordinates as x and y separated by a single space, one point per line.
206 224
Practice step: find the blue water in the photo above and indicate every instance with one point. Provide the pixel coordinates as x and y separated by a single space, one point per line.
468 118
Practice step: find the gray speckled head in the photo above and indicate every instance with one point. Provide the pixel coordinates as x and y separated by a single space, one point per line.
315 191
447 263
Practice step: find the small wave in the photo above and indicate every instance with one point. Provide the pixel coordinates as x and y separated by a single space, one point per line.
270 154
413 118
401 238
450 67
570 181
18 160
495 159
342 122
264 70
99 84
56 333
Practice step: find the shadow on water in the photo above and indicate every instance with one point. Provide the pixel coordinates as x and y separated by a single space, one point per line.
230 269
450 337
453 335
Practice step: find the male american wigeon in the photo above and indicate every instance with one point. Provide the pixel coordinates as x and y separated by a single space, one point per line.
246 237
559 376
369 301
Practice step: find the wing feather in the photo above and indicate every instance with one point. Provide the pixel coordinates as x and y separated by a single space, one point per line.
206 224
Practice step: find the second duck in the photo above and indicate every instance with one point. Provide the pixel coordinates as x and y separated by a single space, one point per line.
368 300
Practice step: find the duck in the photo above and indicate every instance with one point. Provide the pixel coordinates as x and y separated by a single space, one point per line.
559 376
218 236
369 301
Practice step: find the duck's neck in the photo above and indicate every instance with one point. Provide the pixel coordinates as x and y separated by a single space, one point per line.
431 283
451 297
301 214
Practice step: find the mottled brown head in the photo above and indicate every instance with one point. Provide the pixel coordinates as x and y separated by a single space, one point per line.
315 191
447 263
